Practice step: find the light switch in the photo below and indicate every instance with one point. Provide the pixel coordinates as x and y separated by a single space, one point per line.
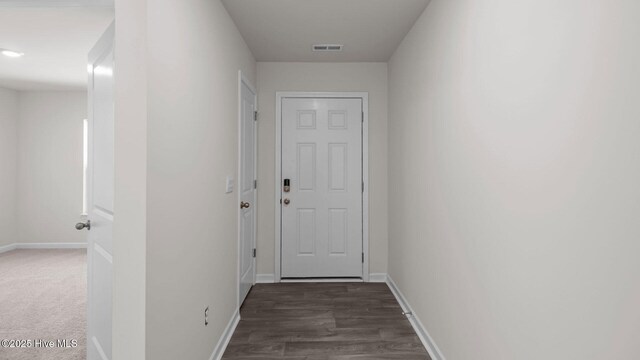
229 188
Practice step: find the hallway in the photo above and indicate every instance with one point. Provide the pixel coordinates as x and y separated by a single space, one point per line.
481 158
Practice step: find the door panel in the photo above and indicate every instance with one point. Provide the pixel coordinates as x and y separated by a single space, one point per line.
100 188
307 173
306 235
247 189
338 234
338 167
322 158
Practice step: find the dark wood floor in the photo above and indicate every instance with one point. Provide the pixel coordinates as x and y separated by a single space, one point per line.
323 321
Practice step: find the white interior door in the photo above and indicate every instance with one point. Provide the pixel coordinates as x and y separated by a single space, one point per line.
322 209
247 188
100 198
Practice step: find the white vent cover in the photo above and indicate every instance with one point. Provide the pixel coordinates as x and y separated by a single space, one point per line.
327 47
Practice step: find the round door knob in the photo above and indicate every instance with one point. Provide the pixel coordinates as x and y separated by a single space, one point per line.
286 201
244 205
87 225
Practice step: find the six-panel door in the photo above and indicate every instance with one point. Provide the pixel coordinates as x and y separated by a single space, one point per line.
322 159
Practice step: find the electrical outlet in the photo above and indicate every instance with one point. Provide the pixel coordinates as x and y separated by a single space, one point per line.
206 316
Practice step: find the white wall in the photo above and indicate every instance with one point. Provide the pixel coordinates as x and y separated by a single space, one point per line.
41 162
50 166
514 135
194 53
8 166
365 77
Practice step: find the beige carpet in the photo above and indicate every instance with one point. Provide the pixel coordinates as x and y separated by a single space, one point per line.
43 296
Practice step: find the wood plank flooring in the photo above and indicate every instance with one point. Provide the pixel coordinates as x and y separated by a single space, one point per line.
323 321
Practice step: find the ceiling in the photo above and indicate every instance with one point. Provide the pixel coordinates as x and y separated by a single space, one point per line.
55 41
285 30
56 38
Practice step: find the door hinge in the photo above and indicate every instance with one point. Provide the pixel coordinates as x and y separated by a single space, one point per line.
363 186
254 252
363 258
255 116
363 116
255 184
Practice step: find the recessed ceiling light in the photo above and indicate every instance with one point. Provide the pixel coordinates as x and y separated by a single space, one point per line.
11 53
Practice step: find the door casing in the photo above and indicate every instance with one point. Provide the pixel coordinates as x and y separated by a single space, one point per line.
365 171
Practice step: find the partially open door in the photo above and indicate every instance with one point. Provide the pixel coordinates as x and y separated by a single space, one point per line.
100 188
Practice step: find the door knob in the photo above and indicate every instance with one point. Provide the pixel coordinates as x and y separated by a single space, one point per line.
87 225
286 201
244 205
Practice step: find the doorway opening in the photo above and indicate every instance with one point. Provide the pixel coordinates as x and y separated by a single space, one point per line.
44 93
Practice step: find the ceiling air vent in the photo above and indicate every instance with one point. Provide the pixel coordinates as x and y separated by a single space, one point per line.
327 47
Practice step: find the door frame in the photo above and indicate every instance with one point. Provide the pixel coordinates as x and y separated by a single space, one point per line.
364 96
243 80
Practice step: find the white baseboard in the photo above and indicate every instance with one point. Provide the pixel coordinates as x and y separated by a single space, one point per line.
271 278
420 329
51 246
218 351
378 277
323 280
7 248
15 246
265 278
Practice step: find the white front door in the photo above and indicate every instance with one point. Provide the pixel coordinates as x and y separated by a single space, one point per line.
100 198
321 188
247 188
